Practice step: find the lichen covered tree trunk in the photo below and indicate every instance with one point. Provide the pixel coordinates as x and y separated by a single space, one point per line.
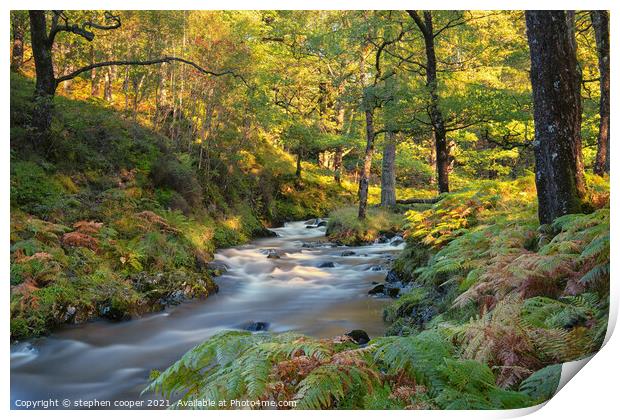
46 83
18 24
600 21
557 146
338 165
388 171
370 148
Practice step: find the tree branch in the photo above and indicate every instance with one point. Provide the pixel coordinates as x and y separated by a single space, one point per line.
77 72
416 18
419 200
82 30
506 144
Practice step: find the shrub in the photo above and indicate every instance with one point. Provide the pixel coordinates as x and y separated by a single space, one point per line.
33 190
169 172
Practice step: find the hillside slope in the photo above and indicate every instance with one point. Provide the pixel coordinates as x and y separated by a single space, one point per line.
111 222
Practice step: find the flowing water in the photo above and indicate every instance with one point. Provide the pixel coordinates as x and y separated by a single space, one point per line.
111 361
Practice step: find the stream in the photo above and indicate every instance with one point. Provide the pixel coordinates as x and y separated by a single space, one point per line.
109 361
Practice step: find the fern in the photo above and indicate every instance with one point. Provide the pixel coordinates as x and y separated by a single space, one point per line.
542 384
418 355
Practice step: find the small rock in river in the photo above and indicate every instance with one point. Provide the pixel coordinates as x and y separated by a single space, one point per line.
392 291
377 290
256 326
396 240
359 336
392 277
327 264
217 268
347 254
274 253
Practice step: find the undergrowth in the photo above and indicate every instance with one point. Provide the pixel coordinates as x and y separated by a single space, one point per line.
496 304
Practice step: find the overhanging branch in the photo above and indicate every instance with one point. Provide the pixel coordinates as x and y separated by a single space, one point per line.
89 67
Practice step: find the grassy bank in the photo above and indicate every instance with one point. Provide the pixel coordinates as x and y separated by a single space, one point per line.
345 228
111 222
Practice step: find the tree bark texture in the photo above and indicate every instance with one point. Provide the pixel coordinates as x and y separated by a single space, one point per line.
388 171
46 83
600 21
557 146
18 24
442 152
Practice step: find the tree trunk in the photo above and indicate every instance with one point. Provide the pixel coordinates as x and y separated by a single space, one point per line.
600 21
19 28
570 22
370 148
94 81
298 169
442 153
107 85
338 165
559 179
45 86
388 172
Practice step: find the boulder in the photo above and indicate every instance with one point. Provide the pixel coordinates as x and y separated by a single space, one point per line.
347 254
359 336
327 264
322 223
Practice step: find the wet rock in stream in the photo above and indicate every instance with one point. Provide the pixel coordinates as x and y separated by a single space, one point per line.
217 268
396 240
385 289
377 290
359 336
255 326
347 254
392 277
327 264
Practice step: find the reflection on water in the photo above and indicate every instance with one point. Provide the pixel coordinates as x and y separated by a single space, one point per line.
112 361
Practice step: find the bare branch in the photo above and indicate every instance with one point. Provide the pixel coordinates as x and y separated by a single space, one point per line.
113 22
505 143
77 72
